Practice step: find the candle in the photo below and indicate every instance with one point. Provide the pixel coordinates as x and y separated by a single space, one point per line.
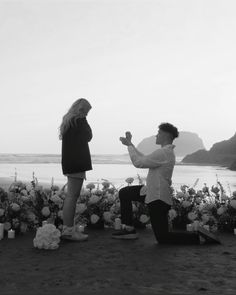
11 234
189 227
195 225
1 230
81 228
235 231
206 226
117 224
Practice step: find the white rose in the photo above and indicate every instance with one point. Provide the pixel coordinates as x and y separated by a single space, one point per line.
205 218
60 214
94 199
144 218
24 192
172 214
221 210
15 207
80 208
94 218
233 203
192 216
110 198
179 194
45 211
23 227
31 216
56 199
107 216
7 225
2 211
28 187
134 208
186 204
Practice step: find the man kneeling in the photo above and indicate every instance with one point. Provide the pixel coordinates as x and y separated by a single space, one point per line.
158 192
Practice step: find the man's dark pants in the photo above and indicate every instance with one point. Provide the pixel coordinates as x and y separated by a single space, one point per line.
158 211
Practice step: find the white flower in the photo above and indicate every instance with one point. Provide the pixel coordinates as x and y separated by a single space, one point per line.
192 216
172 214
110 198
25 198
233 203
94 199
180 194
224 197
94 218
221 210
186 204
31 216
85 193
47 237
80 208
15 207
106 184
143 218
107 216
28 187
56 199
24 192
7 225
2 211
90 186
60 214
23 227
32 193
134 208
129 180
46 211
205 218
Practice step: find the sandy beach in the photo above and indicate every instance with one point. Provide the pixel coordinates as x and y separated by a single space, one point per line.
106 266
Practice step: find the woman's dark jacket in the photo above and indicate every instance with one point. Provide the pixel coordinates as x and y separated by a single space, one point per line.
75 150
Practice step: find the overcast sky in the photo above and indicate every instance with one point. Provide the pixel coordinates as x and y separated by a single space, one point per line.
139 63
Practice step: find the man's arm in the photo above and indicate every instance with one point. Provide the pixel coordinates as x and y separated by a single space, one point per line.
153 160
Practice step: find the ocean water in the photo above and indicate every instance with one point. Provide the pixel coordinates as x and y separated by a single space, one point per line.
117 173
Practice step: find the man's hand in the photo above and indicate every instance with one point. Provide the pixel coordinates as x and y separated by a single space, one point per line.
125 141
128 135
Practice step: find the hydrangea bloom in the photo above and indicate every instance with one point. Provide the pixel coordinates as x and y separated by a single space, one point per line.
47 237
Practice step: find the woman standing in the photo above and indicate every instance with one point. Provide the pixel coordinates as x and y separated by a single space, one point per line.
75 134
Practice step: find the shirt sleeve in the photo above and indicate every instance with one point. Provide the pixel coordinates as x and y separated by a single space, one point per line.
153 160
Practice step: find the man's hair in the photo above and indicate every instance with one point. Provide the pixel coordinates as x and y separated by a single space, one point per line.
171 129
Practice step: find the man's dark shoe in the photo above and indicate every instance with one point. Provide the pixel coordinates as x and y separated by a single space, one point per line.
209 237
125 234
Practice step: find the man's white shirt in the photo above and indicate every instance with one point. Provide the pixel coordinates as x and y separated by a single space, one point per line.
161 165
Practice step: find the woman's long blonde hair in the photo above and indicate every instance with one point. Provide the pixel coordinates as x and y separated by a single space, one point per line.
79 109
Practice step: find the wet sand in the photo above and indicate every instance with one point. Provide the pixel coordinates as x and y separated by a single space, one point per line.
106 266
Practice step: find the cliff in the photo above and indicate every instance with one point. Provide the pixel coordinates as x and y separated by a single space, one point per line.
186 143
221 153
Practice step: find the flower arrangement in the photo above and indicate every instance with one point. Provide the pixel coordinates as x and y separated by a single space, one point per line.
25 206
47 237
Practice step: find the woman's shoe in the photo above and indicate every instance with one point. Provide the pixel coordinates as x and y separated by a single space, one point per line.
69 233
